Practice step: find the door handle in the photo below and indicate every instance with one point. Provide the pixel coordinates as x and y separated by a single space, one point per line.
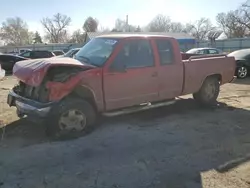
154 74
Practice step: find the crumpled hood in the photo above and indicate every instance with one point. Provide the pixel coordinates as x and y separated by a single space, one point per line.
33 71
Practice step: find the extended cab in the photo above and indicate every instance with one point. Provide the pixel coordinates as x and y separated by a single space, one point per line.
111 75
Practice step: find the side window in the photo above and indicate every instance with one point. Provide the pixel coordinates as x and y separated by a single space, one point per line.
27 54
211 51
41 54
200 52
136 53
165 52
248 57
48 54
36 54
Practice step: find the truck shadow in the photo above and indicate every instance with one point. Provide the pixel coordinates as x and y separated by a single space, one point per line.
188 149
245 81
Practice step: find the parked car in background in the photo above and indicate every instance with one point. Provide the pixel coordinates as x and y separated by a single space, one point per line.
242 58
112 75
71 52
2 73
58 52
24 50
36 54
7 61
200 51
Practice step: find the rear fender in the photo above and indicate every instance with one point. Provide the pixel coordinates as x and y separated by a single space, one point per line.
217 76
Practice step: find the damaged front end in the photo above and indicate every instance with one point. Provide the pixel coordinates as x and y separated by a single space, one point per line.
56 84
37 100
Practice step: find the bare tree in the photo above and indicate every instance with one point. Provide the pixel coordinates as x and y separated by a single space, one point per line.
56 27
15 31
122 26
177 27
103 29
77 37
243 15
230 24
138 29
90 24
37 38
160 23
200 28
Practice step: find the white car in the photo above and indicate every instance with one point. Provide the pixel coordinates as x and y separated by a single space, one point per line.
2 73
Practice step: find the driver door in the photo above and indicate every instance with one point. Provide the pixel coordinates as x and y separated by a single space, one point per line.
131 78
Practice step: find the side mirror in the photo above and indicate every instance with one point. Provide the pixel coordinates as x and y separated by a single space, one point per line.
118 67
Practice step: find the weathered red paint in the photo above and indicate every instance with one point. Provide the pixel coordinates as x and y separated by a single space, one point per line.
59 90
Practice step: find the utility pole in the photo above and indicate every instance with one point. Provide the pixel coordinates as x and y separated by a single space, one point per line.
127 26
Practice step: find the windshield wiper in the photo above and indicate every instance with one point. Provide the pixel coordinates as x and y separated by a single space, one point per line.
84 59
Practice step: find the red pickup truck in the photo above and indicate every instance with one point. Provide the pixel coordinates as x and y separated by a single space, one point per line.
112 75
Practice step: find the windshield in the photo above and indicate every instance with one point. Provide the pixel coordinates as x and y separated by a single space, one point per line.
97 51
240 54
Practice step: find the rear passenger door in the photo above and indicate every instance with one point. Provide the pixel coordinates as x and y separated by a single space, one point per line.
170 70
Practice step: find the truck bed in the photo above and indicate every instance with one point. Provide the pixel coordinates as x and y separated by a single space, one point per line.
197 68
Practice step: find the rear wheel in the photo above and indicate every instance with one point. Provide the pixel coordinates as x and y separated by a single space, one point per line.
72 117
242 72
208 92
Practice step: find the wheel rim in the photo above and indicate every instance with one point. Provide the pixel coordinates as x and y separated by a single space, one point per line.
242 72
210 90
72 120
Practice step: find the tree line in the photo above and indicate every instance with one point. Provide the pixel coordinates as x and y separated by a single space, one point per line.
234 24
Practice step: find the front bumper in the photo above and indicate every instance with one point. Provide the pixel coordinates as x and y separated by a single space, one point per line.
29 107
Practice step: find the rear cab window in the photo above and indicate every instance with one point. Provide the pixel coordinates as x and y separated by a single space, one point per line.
165 51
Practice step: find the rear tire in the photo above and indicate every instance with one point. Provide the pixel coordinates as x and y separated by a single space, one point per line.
73 117
209 91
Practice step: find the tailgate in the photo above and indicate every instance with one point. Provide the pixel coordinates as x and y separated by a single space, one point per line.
198 68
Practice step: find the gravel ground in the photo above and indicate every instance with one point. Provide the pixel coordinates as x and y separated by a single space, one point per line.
179 146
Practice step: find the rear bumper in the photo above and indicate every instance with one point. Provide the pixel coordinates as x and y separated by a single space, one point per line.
29 107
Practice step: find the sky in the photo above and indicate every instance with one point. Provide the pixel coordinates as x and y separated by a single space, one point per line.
140 12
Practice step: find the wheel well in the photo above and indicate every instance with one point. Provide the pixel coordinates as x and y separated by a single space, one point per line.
217 76
86 94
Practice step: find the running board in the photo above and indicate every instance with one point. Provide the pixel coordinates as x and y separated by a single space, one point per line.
138 109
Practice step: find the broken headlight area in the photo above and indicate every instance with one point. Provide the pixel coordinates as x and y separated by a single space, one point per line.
62 74
39 93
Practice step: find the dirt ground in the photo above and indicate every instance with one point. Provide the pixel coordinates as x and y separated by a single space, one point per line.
179 146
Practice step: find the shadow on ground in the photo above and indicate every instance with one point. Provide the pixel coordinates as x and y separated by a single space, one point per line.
245 81
159 148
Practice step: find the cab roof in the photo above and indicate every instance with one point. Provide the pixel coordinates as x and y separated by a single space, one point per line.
131 35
